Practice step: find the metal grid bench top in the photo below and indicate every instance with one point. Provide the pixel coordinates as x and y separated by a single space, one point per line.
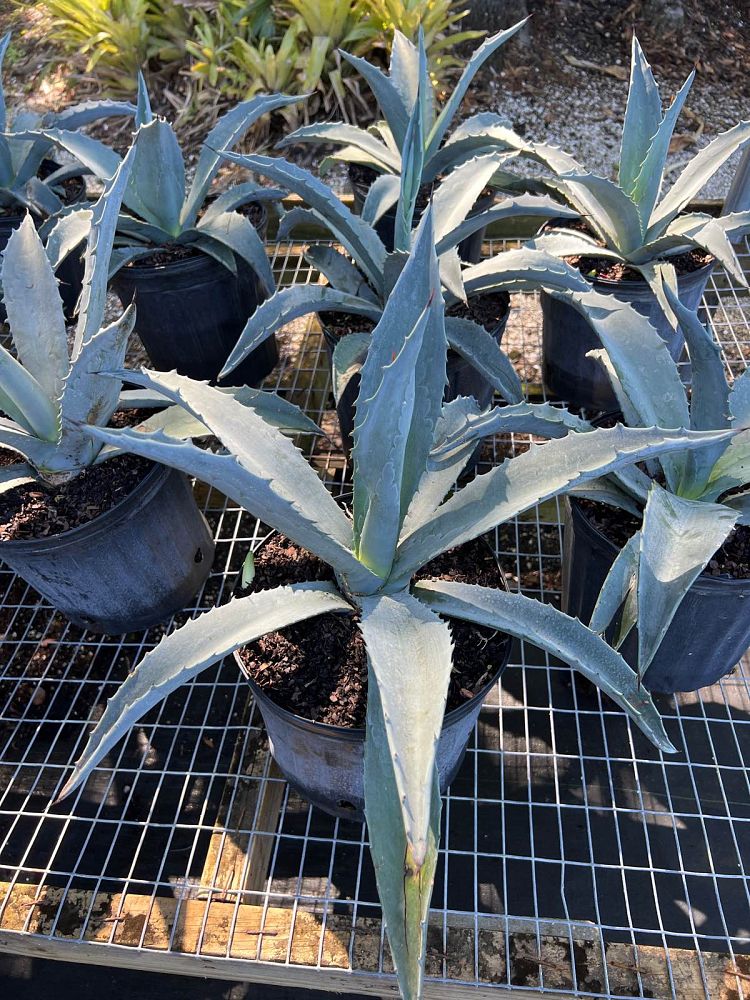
575 859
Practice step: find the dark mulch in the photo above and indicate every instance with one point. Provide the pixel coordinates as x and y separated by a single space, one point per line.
487 310
170 253
318 668
732 559
38 511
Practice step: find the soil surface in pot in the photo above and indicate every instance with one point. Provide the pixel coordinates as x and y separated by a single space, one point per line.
487 310
170 253
615 270
731 560
318 668
38 511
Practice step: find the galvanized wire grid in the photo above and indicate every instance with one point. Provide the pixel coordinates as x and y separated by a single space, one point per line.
563 820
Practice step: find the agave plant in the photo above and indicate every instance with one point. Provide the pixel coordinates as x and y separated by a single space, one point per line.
21 157
160 209
399 522
390 145
629 219
361 283
48 392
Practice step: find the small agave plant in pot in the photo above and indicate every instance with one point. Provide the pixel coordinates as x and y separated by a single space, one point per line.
32 181
407 626
195 264
377 157
634 242
662 568
361 280
114 545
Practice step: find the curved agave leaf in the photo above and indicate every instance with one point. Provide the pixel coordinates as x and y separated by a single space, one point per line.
18 474
358 138
523 206
559 635
227 132
568 243
700 169
537 475
339 270
104 218
709 234
607 208
41 198
441 473
4 43
30 446
36 323
741 503
479 348
263 472
236 232
480 56
412 161
122 256
402 792
197 645
99 158
619 583
541 419
298 217
678 538
399 403
456 195
523 270
348 357
404 69
27 396
609 491
68 233
213 248
642 119
739 400
288 304
88 396
395 112
359 239
648 183
732 468
157 181
382 424
709 398
382 195
87 112
239 195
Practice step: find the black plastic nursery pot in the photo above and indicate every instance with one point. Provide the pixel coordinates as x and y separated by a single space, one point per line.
325 763
463 378
190 314
70 272
567 337
131 566
469 250
708 635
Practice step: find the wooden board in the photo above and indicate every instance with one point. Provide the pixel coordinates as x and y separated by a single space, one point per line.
226 938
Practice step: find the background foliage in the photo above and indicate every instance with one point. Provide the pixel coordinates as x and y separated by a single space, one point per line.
240 48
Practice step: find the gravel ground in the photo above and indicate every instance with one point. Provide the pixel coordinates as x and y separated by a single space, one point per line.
584 116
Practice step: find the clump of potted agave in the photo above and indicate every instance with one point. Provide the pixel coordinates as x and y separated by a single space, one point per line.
31 180
115 546
635 243
404 467
379 157
195 263
681 573
360 281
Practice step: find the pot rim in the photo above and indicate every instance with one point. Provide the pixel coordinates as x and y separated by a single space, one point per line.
630 283
704 581
141 493
186 263
354 734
